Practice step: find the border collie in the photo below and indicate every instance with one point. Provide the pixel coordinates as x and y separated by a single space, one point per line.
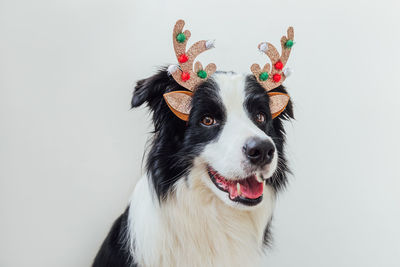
209 193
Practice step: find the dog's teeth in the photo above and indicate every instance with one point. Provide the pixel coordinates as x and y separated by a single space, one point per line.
259 179
238 189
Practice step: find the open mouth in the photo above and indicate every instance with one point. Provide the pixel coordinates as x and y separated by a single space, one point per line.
248 191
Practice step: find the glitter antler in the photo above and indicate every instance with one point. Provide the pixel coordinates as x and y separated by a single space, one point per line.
272 78
185 73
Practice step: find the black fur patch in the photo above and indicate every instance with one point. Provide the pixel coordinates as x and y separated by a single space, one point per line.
176 143
114 252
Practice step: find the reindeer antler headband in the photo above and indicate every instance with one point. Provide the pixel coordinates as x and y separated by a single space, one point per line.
270 78
180 101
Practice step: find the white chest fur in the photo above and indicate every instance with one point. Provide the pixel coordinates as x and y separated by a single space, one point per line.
195 228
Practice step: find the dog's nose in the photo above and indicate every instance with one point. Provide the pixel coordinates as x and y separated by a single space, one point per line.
259 152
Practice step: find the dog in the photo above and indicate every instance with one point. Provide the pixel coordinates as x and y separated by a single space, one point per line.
209 192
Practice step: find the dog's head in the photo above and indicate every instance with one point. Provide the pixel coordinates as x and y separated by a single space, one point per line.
230 134
227 128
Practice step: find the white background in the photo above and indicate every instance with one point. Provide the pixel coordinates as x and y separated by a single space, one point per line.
71 148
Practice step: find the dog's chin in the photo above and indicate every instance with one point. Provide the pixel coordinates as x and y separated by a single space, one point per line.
242 193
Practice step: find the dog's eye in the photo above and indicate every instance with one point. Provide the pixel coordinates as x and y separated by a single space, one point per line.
260 117
208 121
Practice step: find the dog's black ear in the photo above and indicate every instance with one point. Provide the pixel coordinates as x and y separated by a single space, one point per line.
151 90
140 94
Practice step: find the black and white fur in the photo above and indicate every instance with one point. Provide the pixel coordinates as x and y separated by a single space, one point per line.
177 216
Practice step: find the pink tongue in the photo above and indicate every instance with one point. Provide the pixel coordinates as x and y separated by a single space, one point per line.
249 188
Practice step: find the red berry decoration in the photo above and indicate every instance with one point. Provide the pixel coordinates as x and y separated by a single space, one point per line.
278 65
277 77
185 76
183 58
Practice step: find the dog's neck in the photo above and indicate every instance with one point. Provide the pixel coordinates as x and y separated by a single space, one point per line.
193 227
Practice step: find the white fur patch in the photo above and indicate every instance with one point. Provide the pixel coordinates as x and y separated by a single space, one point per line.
195 228
225 155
